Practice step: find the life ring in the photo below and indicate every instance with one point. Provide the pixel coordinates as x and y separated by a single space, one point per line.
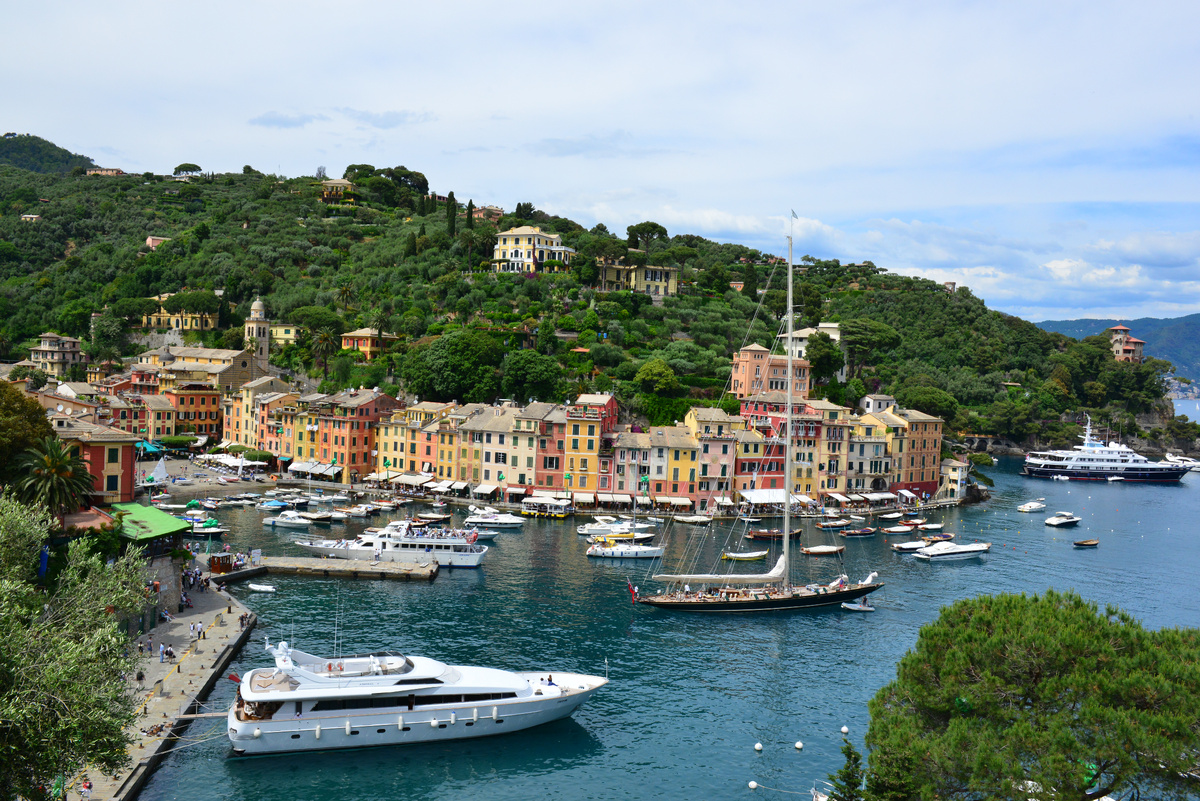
329 668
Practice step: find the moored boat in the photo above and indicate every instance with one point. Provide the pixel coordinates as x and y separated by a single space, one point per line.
909 547
1063 519
823 550
310 703
287 519
744 556
1086 543
945 551
1032 506
398 542
1096 460
858 532
487 517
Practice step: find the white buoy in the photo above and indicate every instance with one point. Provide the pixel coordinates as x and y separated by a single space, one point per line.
758 746
845 730
799 746
753 785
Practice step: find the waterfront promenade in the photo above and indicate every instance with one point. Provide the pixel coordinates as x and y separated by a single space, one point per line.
170 690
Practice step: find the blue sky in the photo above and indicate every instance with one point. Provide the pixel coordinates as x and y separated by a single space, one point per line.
1045 155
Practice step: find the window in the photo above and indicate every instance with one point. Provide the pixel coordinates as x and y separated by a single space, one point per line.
112 483
114 455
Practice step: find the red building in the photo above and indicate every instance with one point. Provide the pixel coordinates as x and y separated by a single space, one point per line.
197 408
109 453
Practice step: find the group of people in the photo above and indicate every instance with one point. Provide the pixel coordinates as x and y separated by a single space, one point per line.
193 578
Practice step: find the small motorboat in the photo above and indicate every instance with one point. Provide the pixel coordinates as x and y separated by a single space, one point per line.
891 516
909 547
942 551
1032 506
833 523
914 522
1061 478
261 587
1086 543
860 605
744 556
768 534
858 532
1062 519
823 550
938 536
1115 478
898 530
287 520
434 517
438 504
856 518
746 519
931 526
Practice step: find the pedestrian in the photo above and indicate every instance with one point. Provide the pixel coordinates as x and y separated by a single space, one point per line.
141 679
141 648
191 629
85 789
162 652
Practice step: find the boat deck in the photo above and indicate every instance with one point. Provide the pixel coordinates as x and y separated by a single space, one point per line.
340 568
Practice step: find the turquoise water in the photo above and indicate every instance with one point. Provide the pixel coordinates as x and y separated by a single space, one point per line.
689 695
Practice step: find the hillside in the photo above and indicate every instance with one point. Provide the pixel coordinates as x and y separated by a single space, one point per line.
1176 340
37 155
397 260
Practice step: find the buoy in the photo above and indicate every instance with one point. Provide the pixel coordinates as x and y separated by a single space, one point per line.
845 730
317 731
799 745
758 746
753 785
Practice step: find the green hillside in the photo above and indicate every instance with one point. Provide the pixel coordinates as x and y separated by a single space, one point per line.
37 155
397 261
1176 340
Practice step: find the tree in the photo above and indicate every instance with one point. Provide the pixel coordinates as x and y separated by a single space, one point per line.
547 342
824 356
345 292
22 423
528 374
65 702
847 783
187 168
53 477
750 282
524 211
470 221
460 365
863 337
320 174
930 400
314 318
657 377
1005 693
644 233
451 215
380 319
325 343
469 239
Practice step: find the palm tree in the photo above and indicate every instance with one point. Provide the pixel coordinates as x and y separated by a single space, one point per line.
379 319
345 292
324 345
53 477
469 239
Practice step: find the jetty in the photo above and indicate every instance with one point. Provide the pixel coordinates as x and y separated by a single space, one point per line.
331 568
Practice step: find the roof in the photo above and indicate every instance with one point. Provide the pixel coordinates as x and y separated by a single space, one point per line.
77 387
147 523
915 416
195 353
157 402
67 427
756 346
713 414
368 332
501 419
528 230
593 399
535 411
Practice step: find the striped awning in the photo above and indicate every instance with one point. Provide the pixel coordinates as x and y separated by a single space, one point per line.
485 489
838 497
584 497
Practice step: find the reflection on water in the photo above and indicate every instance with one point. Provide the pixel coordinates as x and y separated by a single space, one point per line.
689 695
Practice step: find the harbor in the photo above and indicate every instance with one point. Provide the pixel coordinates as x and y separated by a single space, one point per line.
686 699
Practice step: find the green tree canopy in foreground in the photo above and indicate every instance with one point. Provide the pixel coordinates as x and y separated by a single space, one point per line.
53 477
63 701
22 423
1007 694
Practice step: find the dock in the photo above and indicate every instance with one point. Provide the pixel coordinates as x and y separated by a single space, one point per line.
332 568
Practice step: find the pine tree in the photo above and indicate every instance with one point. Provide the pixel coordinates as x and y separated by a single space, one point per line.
451 214
470 214
846 784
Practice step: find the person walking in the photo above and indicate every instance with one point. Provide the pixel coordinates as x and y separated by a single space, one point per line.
162 652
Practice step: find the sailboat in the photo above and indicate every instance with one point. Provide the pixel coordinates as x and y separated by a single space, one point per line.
772 591
158 477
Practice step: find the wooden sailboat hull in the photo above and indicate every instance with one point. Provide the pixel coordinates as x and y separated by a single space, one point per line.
759 601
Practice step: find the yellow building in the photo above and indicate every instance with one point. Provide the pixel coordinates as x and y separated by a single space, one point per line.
284 333
527 249
406 441
486 446
452 446
180 320
368 341
647 279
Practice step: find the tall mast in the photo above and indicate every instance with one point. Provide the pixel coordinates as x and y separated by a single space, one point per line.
787 439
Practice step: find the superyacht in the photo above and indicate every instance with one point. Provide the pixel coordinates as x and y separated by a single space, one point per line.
1096 460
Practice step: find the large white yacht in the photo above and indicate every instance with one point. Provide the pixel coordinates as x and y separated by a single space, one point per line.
1099 461
308 703
398 541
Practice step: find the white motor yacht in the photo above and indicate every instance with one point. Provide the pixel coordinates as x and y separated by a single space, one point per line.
288 519
612 548
1096 460
310 703
399 542
487 517
1063 519
945 551
1031 506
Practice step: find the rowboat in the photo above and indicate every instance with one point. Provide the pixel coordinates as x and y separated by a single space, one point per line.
860 605
744 556
858 532
1086 543
823 550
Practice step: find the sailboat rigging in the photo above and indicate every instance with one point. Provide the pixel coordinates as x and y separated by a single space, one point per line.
773 590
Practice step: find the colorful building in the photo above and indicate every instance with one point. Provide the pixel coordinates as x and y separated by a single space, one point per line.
110 454
526 250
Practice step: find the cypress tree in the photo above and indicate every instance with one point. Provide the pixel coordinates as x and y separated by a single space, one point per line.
451 214
421 205
470 213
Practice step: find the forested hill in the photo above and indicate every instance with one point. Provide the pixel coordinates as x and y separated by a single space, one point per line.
393 258
37 155
1175 339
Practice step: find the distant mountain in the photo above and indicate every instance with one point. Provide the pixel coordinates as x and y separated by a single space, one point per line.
1177 340
35 154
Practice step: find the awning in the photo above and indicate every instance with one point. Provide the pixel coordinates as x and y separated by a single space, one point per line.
905 493
879 496
604 497
621 499
839 497
584 497
457 485
857 498
724 500
769 496
301 467
681 501
412 479
441 486
515 490
485 489
386 475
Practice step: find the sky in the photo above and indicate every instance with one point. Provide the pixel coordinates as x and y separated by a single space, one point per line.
1045 155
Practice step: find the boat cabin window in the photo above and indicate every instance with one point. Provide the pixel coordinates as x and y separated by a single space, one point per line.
409 701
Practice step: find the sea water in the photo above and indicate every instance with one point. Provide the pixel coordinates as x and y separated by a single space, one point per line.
689 695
